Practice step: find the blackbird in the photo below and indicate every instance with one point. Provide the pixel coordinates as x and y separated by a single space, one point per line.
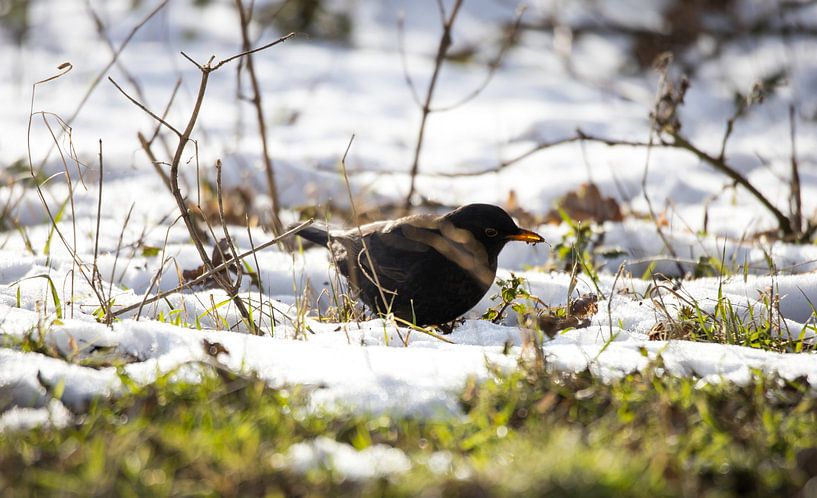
425 269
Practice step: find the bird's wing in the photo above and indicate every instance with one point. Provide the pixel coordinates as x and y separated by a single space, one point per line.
395 256
436 238
401 248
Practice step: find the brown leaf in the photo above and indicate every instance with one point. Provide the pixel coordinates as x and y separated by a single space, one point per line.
585 306
221 253
190 275
551 321
524 217
214 348
586 204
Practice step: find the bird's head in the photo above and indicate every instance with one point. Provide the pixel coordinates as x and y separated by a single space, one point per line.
491 226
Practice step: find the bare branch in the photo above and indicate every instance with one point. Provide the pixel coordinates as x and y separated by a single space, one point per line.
115 57
401 45
254 50
442 50
277 226
141 106
796 197
720 165
152 158
212 271
493 65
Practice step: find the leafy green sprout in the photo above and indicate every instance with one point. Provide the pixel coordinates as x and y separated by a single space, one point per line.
514 294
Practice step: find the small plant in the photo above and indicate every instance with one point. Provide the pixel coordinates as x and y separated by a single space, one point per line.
511 291
576 244
576 252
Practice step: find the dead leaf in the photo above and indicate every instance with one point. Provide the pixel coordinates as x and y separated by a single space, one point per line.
586 204
214 348
551 321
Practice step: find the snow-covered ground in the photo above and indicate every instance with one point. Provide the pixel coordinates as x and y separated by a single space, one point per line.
316 96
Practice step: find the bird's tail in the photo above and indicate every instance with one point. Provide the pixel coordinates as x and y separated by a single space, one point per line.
315 234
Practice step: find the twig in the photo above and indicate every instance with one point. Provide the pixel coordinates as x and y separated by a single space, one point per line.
493 65
663 87
720 165
678 142
214 270
95 275
402 49
107 68
184 138
251 51
442 49
157 165
103 33
375 279
164 116
796 198
115 58
277 226
220 198
148 111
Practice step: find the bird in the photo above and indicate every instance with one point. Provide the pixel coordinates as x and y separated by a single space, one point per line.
423 269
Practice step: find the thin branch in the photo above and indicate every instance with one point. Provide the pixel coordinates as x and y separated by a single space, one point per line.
509 162
164 116
208 273
199 66
493 65
720 165
115 58
796 197
252 51
220 198
401 46
184 138
157 165
374 278
442 50
95 275
142 106
277 226
678 142
107 68
579 137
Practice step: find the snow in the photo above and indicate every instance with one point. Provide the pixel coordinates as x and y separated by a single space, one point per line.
317 95
375 461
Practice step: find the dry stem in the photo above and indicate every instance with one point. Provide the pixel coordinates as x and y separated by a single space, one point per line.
184 138
213 271
277 226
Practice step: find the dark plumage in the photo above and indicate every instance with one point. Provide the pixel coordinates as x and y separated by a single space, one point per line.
425 269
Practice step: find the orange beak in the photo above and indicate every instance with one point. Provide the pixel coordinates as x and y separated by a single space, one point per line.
526 236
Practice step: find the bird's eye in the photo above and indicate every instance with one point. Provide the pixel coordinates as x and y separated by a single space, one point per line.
491 232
